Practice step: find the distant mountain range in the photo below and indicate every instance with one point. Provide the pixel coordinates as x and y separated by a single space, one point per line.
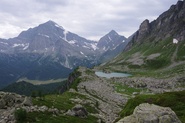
48 51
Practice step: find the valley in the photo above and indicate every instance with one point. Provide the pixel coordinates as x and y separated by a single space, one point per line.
151 90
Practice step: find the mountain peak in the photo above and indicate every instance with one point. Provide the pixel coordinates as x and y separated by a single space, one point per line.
52 23
113 32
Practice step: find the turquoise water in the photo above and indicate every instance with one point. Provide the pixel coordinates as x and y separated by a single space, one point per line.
110 75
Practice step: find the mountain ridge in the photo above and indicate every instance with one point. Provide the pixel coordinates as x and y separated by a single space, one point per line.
169 24
48 51
156 48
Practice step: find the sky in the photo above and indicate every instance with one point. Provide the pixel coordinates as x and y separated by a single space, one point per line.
91 19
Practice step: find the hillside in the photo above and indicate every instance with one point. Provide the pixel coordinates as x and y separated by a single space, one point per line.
157 48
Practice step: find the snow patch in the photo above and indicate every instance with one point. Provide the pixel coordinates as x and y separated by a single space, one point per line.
94 46
26 47
65 34
19 45
83 54
59 26
4 43
109 38
86 47
175 41
43 35
72 41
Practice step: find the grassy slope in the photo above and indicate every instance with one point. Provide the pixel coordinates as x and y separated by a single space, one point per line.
174 100
157 68
61 102
154 67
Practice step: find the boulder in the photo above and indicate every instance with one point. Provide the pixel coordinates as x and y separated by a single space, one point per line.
78 111
27 101
150 113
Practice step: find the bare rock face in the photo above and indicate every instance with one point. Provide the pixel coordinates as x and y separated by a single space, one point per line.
171 23
150 113
144 28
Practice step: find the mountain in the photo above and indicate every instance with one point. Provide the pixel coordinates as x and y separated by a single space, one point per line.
45 52
156 48
48 51
168 24
111 45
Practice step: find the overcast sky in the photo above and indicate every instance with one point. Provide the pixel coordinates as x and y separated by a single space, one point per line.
91 19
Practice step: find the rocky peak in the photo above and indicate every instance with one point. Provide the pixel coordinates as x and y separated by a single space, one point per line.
51 24
110 40
179 5
113 32
171 23
144 28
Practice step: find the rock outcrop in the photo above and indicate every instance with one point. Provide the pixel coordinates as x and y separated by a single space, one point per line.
150 113
9 102
169 24
78 111
13 100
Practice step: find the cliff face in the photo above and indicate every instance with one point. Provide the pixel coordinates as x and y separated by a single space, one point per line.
169 24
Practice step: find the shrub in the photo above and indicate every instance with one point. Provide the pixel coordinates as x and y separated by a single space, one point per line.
20 115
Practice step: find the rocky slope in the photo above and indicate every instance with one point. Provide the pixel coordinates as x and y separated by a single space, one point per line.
9 102
99 90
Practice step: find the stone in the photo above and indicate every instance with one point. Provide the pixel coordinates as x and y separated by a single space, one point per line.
2 104
43 108
27 101
150 113
70 112
9 99
78 111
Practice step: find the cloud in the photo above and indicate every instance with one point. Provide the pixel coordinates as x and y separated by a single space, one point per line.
88 18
